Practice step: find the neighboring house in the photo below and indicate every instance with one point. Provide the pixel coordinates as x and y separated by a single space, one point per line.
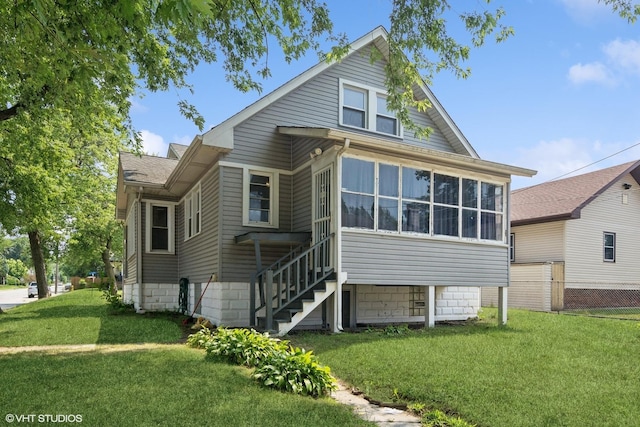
576 242
314 207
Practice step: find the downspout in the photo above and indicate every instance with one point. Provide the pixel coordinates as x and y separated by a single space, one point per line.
338 244
139 252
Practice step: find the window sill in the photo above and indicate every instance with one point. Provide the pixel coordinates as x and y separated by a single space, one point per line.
374 132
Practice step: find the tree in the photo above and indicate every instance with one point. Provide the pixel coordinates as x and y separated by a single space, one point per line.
68 70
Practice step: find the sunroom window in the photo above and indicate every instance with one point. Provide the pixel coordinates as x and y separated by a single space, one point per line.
389 197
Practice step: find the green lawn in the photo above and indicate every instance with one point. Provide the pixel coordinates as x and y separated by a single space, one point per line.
12 287
82 317
540 370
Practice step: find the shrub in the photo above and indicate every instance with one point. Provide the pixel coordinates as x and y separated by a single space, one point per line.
243 346
277 364
200 339
296 371
116 304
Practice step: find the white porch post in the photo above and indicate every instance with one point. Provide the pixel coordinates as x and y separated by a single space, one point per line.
430 306
502 305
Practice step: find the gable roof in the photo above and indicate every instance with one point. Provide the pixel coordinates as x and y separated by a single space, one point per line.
565 198
222 134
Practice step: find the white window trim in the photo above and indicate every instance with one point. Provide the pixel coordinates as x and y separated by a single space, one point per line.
604 246
170 222
274 202
192 200
371 109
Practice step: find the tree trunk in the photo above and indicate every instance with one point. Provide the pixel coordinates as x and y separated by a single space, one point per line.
108 268
38 264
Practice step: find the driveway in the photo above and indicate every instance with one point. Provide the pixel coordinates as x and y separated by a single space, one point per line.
16 297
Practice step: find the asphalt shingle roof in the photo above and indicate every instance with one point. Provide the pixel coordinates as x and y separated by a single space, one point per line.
564 198
146 169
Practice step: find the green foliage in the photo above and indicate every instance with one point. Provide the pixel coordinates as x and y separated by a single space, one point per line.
200 339
296 371
116 303
16 268
243 346
438 418
277 364
396 330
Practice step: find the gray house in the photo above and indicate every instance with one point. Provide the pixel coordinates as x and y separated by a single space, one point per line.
313 207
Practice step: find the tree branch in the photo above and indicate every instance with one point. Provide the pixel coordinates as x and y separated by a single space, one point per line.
10 112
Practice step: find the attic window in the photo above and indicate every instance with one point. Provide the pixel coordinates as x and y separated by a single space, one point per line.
365 107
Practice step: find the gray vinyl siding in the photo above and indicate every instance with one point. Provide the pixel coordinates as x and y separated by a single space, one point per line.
238 262
315 104
302 201
199 256
158 268
378 259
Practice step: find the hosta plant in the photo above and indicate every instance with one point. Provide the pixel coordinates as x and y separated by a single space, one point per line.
297 371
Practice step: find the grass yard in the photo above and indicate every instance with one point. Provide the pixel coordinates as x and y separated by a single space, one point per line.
174 386
12 287
540 370
170 385
82 317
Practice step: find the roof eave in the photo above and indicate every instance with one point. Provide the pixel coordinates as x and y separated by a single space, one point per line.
381 144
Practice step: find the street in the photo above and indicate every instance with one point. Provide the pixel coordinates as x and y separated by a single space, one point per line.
15 297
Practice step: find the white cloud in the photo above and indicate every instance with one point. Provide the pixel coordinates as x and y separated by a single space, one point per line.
624 55
594 72
153 144
568 157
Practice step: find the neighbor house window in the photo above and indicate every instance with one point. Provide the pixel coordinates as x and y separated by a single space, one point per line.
159 227
192 213
387 197
366 108
609 247
260 198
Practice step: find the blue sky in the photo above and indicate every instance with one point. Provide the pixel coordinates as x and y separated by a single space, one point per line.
561 94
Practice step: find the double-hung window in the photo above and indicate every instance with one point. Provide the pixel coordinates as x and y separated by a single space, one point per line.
192 213
416 194
260 198
358 196
491 212
365 107
159 227
446 210
609 247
